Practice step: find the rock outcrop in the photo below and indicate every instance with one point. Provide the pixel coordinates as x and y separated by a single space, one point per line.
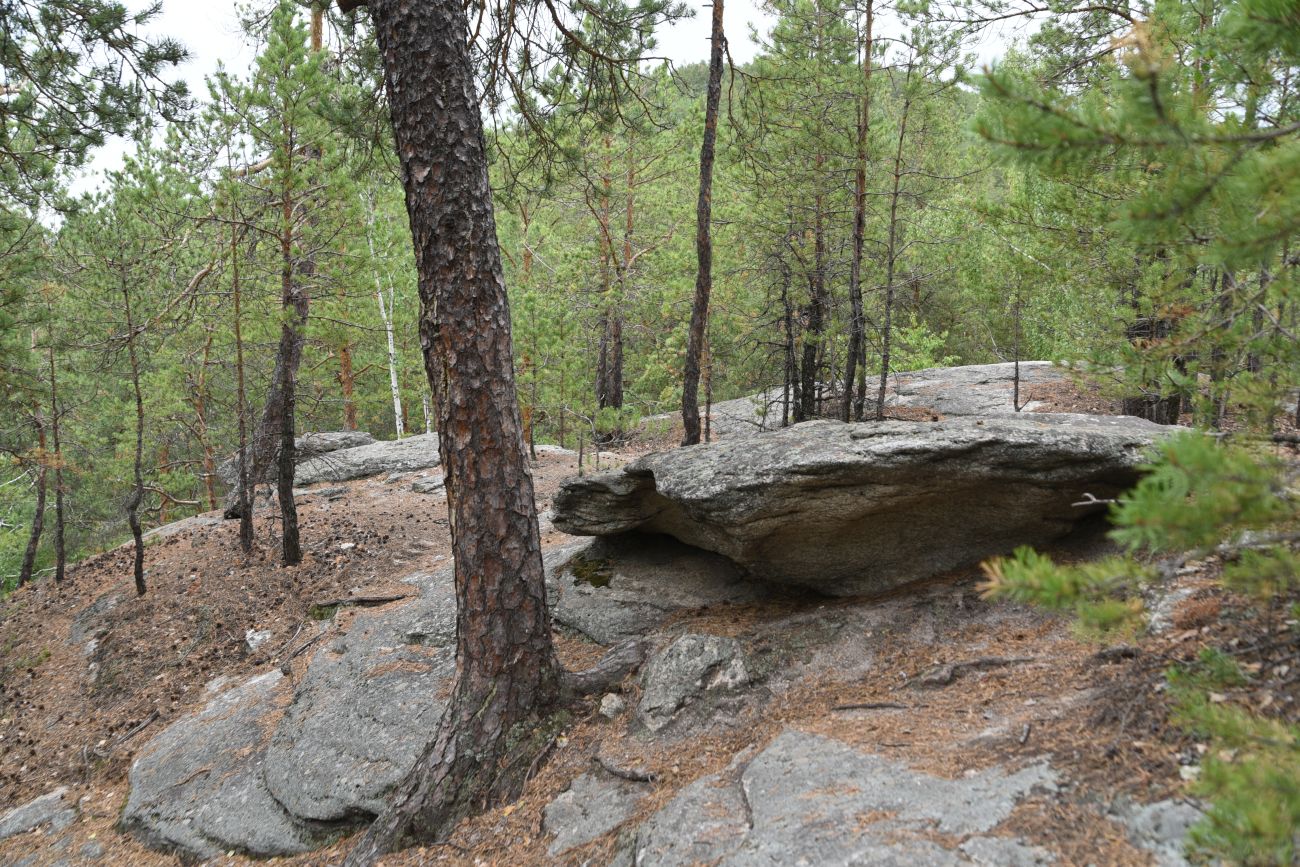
306 447
973 389
398 456
850 509
611 590
269 768
795 801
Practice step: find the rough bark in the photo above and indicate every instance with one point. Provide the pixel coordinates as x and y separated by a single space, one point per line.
703 238
507 675
294 302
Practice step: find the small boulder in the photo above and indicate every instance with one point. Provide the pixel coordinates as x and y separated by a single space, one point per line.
593 805
51 809
686 669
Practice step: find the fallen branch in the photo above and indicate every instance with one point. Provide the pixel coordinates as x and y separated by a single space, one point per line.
633 775
947 673
360 601
611 669
874 705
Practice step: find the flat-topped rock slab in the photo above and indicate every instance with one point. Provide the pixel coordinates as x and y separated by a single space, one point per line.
852 509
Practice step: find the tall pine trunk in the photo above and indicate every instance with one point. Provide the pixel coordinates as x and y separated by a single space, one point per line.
506 667
703 238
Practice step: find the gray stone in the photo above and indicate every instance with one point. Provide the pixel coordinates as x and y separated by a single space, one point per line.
49 809
433 485
311 445
92 850
366 707
330 493
1161 828
975 389
197 786
615 589
807 799
612 705
306 447
1162 605
850 509
593 805
687 668
405 455
184 525
255 638
89 622
1005 852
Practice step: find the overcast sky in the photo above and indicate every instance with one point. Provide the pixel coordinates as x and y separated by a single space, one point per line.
210 32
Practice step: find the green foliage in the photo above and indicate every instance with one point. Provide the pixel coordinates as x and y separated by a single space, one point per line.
1196 495
1250 774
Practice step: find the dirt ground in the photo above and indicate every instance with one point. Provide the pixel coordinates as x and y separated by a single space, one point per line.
75 714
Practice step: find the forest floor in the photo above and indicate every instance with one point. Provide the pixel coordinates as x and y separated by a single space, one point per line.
74 713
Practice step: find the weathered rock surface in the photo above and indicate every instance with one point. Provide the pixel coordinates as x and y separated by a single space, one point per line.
198 786
51 809
405 455
851 509
366 708
1162 829
269 770
686 669
311 445
807 799
975 389
614 589
594 804
306 447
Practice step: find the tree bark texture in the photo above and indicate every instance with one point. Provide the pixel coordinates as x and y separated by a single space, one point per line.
703 238
506 668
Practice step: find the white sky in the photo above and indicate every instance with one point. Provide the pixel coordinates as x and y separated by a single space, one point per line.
210 32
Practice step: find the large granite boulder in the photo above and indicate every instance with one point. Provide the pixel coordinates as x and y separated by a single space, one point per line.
198 787
397 456
273 768
366 708
973 389
850 509
306 447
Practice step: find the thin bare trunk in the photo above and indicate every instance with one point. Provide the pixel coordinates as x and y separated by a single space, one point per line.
891 251
857 327
703 237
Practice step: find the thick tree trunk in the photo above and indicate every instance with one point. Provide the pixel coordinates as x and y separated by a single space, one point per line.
506 668
703 238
